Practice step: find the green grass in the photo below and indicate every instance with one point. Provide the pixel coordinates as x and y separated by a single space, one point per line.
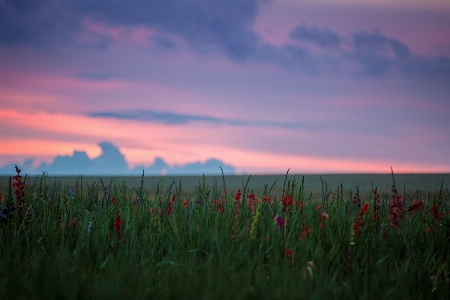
64 243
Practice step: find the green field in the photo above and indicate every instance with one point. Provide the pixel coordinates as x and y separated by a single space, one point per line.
313 183
232 237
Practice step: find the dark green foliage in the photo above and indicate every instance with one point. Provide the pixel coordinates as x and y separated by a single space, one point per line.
208 245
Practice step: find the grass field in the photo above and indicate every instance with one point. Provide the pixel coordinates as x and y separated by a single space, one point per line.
240 237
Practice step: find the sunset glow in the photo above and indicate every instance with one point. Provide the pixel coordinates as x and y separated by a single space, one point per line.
262 86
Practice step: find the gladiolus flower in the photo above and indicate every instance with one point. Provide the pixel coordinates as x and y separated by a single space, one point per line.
289 255
19 190
396 210
238 195
416 205
364 209
357 225
305 232
287 202
322 227
267 199
435 211
279 221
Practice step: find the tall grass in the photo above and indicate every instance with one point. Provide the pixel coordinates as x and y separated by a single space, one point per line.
98 240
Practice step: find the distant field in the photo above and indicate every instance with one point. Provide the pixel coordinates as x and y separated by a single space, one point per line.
313 183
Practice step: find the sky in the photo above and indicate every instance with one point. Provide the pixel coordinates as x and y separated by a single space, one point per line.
257 87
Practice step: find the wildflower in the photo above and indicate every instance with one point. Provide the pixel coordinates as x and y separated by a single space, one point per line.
357 225
113 200
287 202
251 203
237 212
324 215
396 210
238 195
278 220
416 205
289 254
1 197
322 227
305 232
118 223
364 209
19 190
170 206
266 199
185 203
218 205
435 211
3 214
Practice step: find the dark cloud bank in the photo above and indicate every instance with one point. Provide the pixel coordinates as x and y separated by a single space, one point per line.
112 162
224 26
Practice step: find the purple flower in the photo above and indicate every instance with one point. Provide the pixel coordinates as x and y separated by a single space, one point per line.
3 214
279 220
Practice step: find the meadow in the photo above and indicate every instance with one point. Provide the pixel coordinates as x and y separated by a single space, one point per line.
241 237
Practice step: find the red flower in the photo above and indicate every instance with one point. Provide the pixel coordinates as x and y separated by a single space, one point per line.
324 215
364 209
322 227
238 195
267 199
287 202
305 232
113 200
435 211
357 225
170 206
185 203
289 255
415 205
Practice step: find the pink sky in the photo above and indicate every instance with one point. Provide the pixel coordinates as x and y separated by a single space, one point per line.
314 86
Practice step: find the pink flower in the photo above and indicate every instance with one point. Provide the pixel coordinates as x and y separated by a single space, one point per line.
396 210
